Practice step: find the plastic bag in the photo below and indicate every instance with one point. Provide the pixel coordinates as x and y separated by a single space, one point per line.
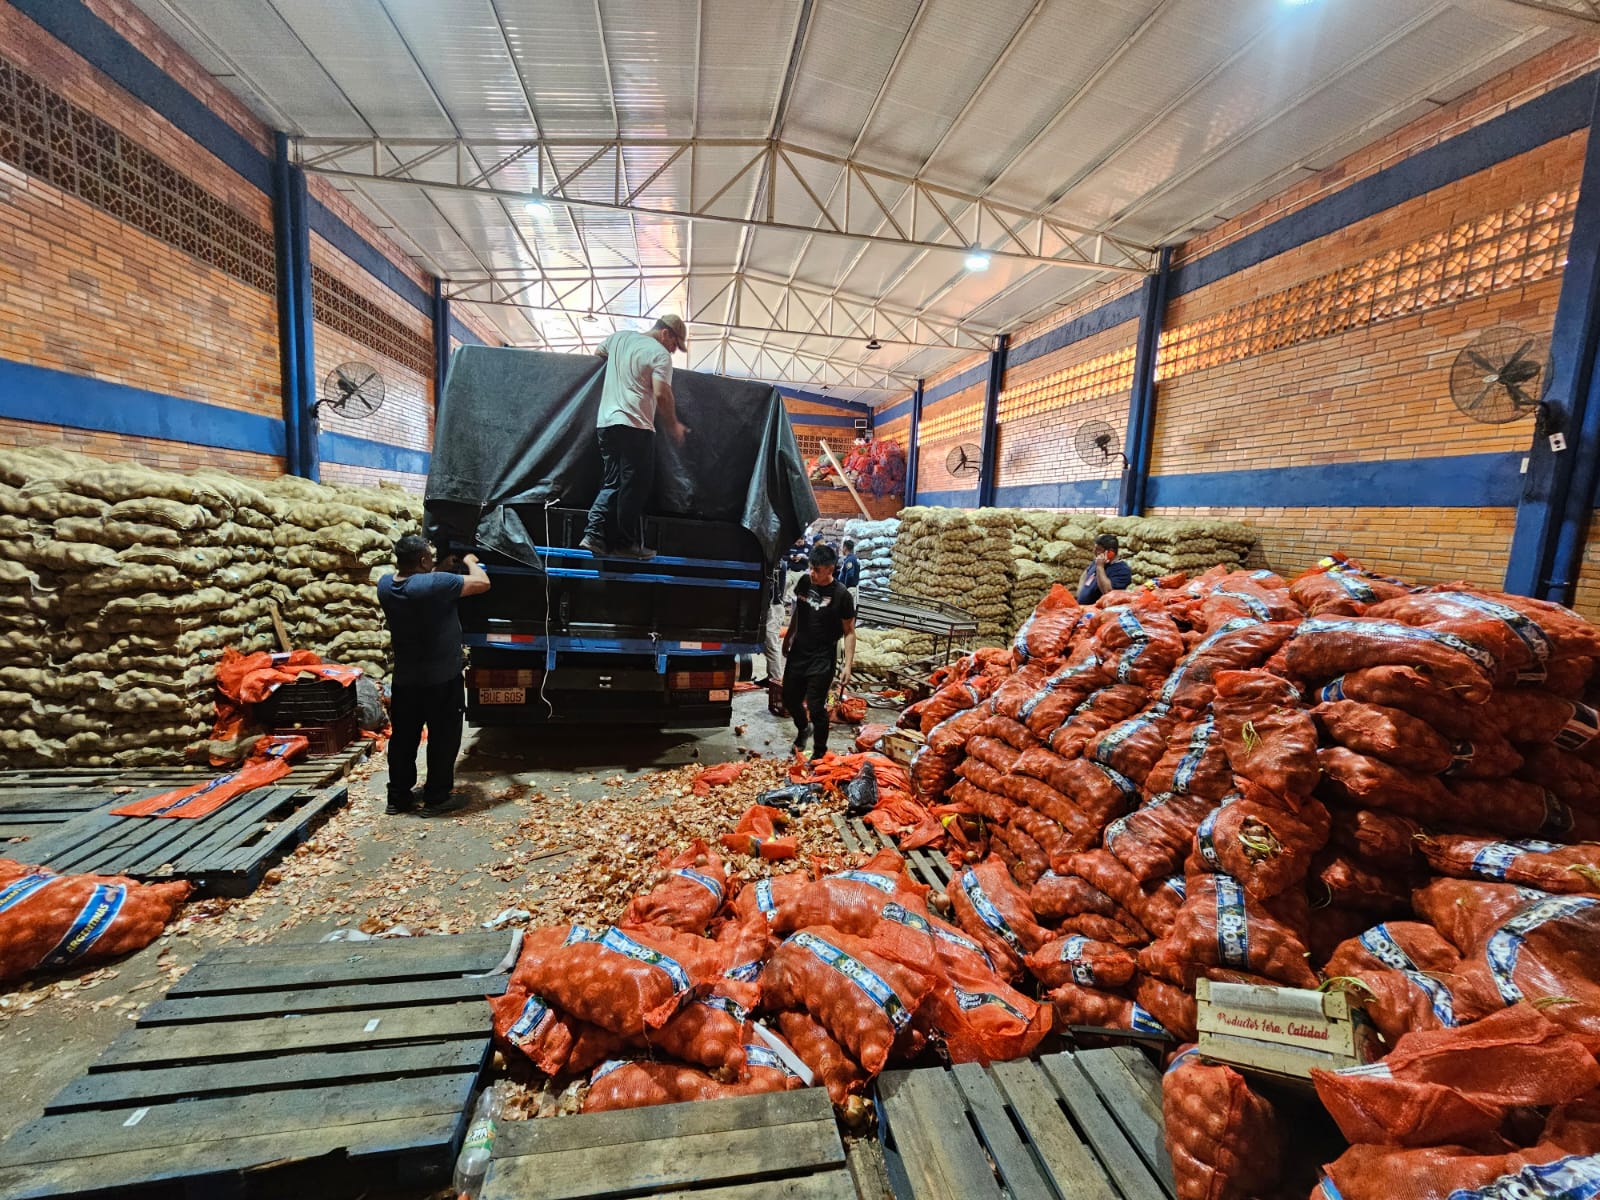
756 834
861 793
687 899
865 1002
50 922
993 911
1219 925
1224 1140
1153 841
1083 961
1411 979
1543 865
618 1085
1268 736
793 797
829 1062
1387 733
1322 649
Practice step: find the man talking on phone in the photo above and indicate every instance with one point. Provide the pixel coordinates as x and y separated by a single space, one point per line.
1107 573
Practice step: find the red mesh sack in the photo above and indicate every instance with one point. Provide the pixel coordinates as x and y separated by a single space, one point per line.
766 896
1162 900
625 981
688 898
852 901
1145 645
1153 841
1027 861
1570 677
952 734
1411 691
1268 736
1078 829
1516 807
1083 961
1329 926
982 1019
1456 1085
869 735
1487 756
1266 848
528 1023
829 1062
1017 688
1099 710
1568 776
1060 693
1176 1009
954 697
1466 912
1124 931
1048 630
999 755
1097 1009
933 772
981 774
1013 733
51 922
710 1032
1244 597
1240 644
990 805
1350 882
1521 647
1102 869
717 776
1379 838
1456 1173
1341 589
994 912
1543 865
1575 1125
1323 649
618 1085
1219 925
864 1002
1193 764
1048 833
1100 793
1133 747
756 834
1372 783
1545 953
1055 896
1569 634
1387 733
1411 979
1224 1140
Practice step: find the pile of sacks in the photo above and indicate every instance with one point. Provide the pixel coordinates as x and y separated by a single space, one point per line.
700 991
1155 547
120 587
875 548
962 557
1247 780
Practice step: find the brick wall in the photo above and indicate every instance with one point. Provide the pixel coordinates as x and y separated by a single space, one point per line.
151 452
954 421
371 477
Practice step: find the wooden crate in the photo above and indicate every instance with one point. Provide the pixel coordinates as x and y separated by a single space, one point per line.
1074 1126
899 745
925 867
322 1069
784 1144
1281 1032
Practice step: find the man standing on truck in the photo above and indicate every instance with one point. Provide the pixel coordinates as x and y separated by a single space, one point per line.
419 604
636 390
824 613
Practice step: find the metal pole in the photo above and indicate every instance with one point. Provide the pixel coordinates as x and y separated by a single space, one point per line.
441 341
912 447
1142 400
991 422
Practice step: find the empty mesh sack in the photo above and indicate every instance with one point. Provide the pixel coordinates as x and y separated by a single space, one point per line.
52 922
1546 1172
1224 1139
756 834
687 899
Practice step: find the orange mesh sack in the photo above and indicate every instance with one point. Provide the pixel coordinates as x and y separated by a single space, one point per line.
1545 953
832 1066
710 1032
1405 688
1220 925
1153 841
1324 648
1535 864
1239 644
1193 764
51 922
983 1020
993 911
1546 1172
1341 588
1267 734
687 899
1378 838
554 1042
1101 709
954 697
1466 912
626 981
1519 809
1575 1125
756 834
1568 776
1352 882
617 1085
1064 689
1056 896
1097 1009
1135 746
1411 979
1144 645
1224 1140
1123 932
1048 630
1457 1085
852 901
1264 847
865 1002
1082 961
767 896
1387 733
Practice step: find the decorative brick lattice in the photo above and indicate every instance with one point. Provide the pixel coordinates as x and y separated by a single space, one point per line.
1110 374
73 150
960 421
341 307
1510 248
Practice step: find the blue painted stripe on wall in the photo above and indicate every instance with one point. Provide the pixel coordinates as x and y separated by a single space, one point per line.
855 406
1456 481
968 499
814 419
1526 127
958 383
1107 316
357 248
359 452
50 397
464 335
894 412
1081 493
97 43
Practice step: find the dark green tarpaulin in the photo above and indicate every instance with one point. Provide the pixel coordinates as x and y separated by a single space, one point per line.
515 431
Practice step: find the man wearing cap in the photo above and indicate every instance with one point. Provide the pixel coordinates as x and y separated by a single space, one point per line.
636 389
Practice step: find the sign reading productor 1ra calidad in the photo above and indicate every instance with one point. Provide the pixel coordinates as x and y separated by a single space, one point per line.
1265 1023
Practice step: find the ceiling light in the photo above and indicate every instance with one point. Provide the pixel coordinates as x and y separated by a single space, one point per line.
1298 3
874 344
590 318
977 259
537 206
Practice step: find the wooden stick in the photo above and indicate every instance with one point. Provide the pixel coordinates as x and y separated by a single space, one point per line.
839 467
277 625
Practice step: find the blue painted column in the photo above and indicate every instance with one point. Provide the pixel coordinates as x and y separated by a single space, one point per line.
1140 439
911 445
1559 486
990 461
441 341
291 234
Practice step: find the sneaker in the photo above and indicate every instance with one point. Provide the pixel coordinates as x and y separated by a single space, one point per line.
637 553
397 808
444 804
593 545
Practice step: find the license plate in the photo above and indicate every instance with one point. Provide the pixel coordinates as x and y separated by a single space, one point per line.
720 694
502 695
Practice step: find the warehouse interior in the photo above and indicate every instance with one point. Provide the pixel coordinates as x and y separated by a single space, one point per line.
1288 308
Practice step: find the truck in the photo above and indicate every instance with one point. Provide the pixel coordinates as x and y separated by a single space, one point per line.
564 637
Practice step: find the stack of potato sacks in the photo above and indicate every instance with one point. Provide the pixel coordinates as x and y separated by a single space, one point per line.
962 557
1155 547
875 548
120 586
847 972
1205 781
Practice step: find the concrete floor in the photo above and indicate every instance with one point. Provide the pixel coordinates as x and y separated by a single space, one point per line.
364 869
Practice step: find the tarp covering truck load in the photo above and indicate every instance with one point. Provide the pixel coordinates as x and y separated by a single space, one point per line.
567 637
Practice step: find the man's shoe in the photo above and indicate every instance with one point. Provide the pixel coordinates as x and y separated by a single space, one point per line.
444 804
397 808
593 545
637 553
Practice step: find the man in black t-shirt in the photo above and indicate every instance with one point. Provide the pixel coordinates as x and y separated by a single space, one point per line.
1107 573
419 604
824 613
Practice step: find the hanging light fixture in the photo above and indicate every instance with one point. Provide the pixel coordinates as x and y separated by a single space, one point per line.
977 259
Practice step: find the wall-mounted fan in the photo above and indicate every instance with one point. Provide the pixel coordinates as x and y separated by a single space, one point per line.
1499 376
1098 445
965 459
352 389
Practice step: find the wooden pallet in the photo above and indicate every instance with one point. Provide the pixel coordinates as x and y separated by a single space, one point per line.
925 867
1074 1126
784 1144
320 1069
225 853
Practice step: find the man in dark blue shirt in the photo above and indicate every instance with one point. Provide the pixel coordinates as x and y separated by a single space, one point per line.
1107 573
850 568
426 691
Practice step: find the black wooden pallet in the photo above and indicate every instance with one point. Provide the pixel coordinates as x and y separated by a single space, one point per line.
784 1144
926 867
1074 1126
322 1069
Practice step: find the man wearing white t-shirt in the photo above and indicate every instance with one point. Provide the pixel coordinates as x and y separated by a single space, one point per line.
636 389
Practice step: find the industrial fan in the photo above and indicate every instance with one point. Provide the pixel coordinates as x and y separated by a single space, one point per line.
1500 376
1098 444
965 459
352 389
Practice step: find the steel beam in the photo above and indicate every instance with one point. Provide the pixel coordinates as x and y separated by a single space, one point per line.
990 461
296 356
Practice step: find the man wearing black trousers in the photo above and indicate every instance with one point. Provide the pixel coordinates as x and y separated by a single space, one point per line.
824 613
419 604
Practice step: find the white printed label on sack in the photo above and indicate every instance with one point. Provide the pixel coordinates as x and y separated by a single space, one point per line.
1139 637
1354 588
1576 1177
1143 1022
724 1005
617 942
1233 926
966 943
1332 691
760 1056
1530 633
1199 743
987 912
605 1068
1380 943
1072 954
1505 943
884 883
901 915
1205 840
764 900
96 916
967 1001
1178 885
1581 728
871 984
18 890
1254 604
1495 859
535 1015
705 881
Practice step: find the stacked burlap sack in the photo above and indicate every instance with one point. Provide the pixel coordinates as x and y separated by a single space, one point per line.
1159 546
875 548
1234 778
962 557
